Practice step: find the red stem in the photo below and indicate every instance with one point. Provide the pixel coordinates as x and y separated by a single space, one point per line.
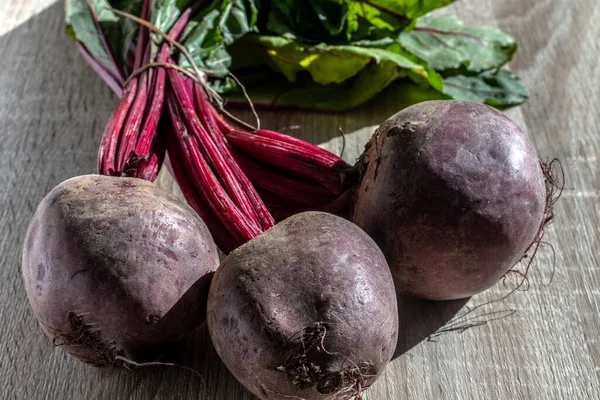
131 128
224 239
207 114
125 148
232 219
114 83
150 160
142 35
213 155
328 158
289 157
224 127
108 145
148 169
292 189
153 113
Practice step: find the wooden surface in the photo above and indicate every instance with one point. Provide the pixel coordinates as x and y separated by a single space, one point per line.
53 109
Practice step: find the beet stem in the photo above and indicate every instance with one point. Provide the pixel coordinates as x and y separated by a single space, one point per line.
213 155
232 219
207 115
141 39
127 149
110 138
290 188
113 82
323 155
290 157
224 239
131 128
145 150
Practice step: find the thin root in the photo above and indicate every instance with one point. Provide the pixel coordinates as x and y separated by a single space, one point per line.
250 103
306 365
461 324
160 364
343 142
82 335
554 178
146 67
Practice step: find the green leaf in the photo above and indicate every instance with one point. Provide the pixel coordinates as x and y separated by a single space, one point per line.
444 42
412 9
215 27
274 92
312 20
163 16
109 45
328 63
391 15
82 27
364 16
499 88
356 49
343 21
121 33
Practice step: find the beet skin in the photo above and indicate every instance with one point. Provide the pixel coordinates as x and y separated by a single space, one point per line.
454 194
305 310
115 267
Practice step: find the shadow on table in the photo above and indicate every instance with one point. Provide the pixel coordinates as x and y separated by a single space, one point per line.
421 319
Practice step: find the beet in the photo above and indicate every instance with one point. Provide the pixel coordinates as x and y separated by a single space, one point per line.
305 310
115 267
454 194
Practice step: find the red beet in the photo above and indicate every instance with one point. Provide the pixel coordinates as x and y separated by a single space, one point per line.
116 267
454 194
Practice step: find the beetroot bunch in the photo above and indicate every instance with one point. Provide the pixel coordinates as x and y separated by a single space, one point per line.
447 197
233 175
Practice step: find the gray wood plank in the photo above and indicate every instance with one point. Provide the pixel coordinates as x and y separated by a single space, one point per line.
52 111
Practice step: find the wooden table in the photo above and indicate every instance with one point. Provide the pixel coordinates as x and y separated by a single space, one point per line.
53 109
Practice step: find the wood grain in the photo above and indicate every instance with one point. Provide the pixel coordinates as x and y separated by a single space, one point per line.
52 111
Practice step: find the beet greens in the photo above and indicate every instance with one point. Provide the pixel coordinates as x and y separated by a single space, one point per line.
169 65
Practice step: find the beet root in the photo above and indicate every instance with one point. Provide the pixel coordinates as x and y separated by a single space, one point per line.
114 267
305 310
454 194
